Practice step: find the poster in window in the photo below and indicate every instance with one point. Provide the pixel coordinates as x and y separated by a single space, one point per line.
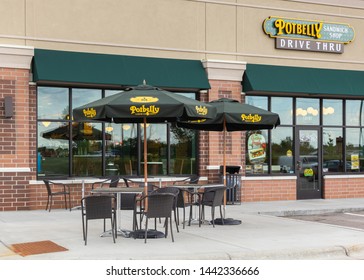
256 148
354 161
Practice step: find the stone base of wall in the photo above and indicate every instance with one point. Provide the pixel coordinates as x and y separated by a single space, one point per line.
271 189
343 187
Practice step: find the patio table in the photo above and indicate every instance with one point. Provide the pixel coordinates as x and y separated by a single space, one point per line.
118 191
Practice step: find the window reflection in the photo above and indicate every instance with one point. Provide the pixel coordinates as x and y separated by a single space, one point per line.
282 150
87 150
183 150
307 111
104 149
53 149
332 112
354 112
283 107
354 149
332 143
53 103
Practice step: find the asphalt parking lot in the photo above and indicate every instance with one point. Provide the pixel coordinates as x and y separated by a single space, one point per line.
352 220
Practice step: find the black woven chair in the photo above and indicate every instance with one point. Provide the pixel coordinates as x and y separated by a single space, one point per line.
175 191
63 189
185 200
98 207
212 197
159 206
111 182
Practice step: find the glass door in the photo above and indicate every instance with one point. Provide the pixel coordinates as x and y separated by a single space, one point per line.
308 162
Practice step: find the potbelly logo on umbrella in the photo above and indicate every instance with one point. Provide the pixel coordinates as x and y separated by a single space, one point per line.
202 110
89 112
251 118
144 99
144 110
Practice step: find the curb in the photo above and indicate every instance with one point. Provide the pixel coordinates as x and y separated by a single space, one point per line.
286 213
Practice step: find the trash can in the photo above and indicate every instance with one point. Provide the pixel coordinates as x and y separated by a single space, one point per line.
233 183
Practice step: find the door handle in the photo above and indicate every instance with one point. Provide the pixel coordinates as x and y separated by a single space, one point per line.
299 165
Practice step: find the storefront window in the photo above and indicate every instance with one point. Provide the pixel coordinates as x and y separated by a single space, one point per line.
354 149
67 148
282 150
341 149
283 107
332 112
183 150
332 143
354 112
307 111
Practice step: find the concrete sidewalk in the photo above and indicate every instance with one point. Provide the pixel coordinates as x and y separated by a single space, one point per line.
263 234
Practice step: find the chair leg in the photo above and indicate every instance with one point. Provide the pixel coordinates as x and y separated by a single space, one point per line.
213 215
113 229
69 201
146 230
50 203
170 222
86 232
221 215
47 203
65 201
166 227
175 219
190 218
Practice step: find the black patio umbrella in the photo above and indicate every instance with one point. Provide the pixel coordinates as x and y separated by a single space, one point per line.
79 132
142 104
231 115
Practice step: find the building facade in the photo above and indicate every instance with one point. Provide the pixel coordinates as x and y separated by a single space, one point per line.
301 59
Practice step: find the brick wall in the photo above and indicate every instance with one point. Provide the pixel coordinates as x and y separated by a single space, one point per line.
268 190
211 145
17 140
343 187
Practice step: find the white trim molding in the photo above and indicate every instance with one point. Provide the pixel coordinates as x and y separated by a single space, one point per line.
268 178
224 70
13 56
14 169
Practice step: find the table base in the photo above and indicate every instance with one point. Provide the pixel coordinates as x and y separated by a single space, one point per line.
120 232
227 221
140 234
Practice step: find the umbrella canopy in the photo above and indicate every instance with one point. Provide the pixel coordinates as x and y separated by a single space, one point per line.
231 115
144 104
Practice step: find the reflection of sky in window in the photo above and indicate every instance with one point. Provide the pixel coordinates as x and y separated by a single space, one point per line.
332 112
52 102
331 134
354 137
50 143
354 116
82 96
257 101
283 107
307 111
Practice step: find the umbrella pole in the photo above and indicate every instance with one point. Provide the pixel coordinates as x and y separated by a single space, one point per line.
224 164
145 162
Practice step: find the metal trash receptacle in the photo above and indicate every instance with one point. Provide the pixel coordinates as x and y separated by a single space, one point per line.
233 184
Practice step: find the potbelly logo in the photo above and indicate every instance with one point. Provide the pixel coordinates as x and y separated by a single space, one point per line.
308 35
144 99
144 110
251 118
201 110
89 112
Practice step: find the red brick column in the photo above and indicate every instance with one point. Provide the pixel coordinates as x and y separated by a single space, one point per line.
225 80
17 132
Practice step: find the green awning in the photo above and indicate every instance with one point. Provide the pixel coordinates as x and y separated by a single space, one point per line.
63 67
282 79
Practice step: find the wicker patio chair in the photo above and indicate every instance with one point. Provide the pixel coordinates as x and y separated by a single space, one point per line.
95 207
159 206
212 197
63 189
